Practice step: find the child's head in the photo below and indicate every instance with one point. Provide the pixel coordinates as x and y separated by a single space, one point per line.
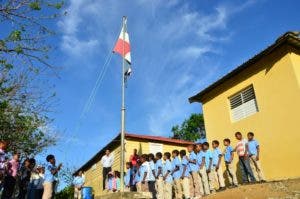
150 156
182 153
110 174
16 157
167 156
144 158
175 153
215 144
226 142
117 174
128 165
238 136
32 163
190 148
250 136
50 158
3 145
205 146
158 155
198 147
26 162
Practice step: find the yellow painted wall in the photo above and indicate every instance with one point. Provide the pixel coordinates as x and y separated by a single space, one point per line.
93 175
275 79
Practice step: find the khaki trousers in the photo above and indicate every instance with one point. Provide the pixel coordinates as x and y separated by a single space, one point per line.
219 177
256 169
185 183
159 185
139 187
177 188
48 190
204 180
231 174
77 193
167 190
195 184
144 187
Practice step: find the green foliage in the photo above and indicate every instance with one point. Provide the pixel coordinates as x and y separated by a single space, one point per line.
35 5
192 129
66 193
15 35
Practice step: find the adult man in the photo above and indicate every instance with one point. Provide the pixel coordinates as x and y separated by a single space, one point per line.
106 161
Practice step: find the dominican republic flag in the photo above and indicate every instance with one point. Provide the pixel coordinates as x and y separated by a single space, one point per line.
122 47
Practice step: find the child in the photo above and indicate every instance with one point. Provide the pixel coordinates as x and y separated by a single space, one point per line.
78 183
195 182
217 168
127 178
253 149
202 170
158 175
151 182
228 158
117 181
137 177
11 177
185 174
208 165
244 163
176 174
144 172
3 147
167 177
110 182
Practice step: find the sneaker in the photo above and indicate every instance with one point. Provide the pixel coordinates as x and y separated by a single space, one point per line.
221 189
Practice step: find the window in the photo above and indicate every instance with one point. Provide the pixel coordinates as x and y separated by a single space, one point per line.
243 104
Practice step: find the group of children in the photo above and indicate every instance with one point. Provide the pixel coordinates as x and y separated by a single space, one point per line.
197 173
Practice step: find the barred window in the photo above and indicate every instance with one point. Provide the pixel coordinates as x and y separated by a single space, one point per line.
243 104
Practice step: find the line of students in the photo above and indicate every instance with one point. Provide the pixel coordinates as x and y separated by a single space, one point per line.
196 174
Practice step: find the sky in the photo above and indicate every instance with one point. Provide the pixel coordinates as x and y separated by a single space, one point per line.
178 47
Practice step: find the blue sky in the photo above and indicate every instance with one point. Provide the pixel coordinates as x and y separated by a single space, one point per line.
178 48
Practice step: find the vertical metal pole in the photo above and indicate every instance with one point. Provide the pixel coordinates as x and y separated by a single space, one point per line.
123 111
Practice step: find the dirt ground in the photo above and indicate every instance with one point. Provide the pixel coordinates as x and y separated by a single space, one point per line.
288 189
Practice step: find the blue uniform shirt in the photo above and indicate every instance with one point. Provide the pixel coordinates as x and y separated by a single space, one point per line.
158 165
215 156
176 162
185 163
193 167
152 167
49 177
200 156
78 181
252 147
227 154
127 177
208 157
137 177
167 166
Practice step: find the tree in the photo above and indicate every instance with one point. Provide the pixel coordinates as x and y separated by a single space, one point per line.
191 129
24 50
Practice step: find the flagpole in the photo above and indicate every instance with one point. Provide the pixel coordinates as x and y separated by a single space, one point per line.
123 111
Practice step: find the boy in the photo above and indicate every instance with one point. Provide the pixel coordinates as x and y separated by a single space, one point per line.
49 181
158 175
78 183
208 165
151 182
185 174
195 182
167 177
127 178
244 163
202 169
176 174
254 149
3 147
144 173
217 168
11 177
228 158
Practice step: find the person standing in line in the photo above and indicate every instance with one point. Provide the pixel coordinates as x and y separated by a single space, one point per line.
11 177
25 174
217 167
107 161
195 182
209 167
202 170
144 173
151 182
158 175
176 174
254 151
228 158
78 183
128 176
134 158
49 181
167 177
244 163
137 177
185 174
3 146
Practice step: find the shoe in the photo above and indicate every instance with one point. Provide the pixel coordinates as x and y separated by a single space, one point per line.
263 181
235 186
221 189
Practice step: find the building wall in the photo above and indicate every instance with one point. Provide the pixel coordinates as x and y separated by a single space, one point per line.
276 126
93 175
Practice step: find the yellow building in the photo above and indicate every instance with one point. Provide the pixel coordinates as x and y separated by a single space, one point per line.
143 143
263 96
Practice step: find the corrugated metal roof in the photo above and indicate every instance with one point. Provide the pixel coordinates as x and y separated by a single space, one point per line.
292 38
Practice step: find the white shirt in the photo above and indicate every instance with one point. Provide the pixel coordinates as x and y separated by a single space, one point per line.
145 168
241 147
107 161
